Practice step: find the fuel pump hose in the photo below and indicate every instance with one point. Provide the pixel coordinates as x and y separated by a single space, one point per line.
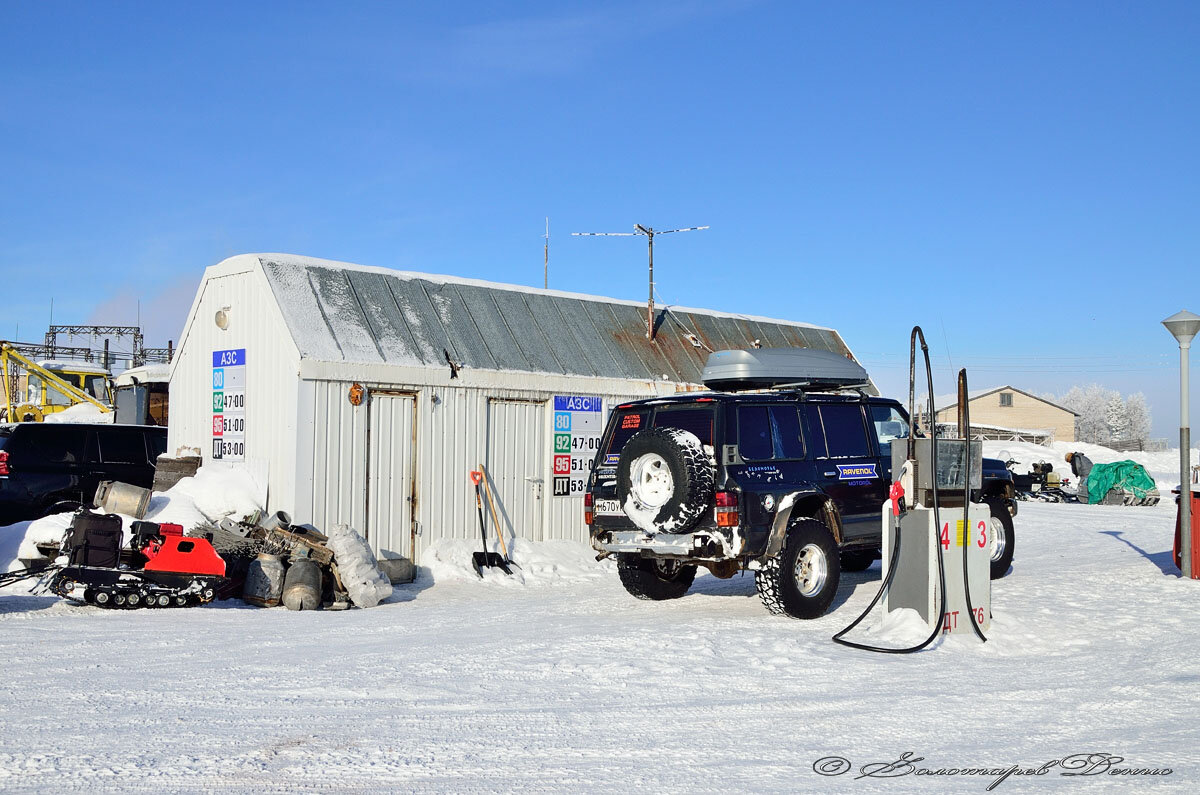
911 452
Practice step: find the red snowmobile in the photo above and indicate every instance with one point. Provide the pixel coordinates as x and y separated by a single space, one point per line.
164 568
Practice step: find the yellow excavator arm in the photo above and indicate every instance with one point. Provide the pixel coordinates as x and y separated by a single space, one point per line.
8 354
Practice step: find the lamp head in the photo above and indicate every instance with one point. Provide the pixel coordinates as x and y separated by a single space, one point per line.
1183 325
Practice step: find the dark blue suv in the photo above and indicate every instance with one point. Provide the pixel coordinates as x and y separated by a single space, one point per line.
789 484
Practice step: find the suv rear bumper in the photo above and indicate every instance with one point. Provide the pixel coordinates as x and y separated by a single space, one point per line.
700 545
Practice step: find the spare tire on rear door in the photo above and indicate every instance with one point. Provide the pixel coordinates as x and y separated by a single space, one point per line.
664 480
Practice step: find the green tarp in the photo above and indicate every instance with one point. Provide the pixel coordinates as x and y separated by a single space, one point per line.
1125 475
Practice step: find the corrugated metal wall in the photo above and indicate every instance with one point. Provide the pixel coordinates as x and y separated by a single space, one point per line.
331 461
272 362
452 440
516 456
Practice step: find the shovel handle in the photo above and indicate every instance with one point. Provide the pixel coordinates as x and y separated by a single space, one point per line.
479 509
495 518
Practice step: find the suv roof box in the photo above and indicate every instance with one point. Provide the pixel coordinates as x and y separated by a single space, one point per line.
767 368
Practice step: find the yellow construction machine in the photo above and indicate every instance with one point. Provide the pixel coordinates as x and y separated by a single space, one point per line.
33 390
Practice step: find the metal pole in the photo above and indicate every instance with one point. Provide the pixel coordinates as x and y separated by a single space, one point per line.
546 261
1185 465
650 303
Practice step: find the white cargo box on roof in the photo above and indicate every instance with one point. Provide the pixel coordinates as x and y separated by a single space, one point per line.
766 368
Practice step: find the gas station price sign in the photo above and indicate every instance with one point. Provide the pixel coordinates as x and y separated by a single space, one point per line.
229 405
578 425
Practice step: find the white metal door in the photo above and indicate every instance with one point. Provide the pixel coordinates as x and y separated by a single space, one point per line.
515 450
391 455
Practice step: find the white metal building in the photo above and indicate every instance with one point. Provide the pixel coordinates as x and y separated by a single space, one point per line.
452 373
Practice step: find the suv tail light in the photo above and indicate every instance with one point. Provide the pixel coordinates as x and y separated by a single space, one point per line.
587 508
3 463
727 509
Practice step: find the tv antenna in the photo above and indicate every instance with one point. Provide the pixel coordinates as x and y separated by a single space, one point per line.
546 275
649 232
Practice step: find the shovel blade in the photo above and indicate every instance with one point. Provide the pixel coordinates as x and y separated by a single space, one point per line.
491 560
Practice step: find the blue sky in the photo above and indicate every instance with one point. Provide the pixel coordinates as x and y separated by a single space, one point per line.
1021 179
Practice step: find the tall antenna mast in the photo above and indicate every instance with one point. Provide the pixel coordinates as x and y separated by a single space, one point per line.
546 282
649 232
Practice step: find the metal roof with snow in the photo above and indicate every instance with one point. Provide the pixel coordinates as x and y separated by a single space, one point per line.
341 312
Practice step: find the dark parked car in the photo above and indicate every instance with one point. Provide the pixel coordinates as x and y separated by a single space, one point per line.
54 467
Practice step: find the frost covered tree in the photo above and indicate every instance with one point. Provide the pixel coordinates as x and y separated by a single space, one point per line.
1104 416
1138 414
1116 419
1091 403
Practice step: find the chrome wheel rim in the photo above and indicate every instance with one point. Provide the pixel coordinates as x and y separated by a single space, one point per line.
651 480
811 570
999 539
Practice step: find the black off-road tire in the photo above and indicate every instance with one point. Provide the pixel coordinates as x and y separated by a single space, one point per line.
777 582
858 559
655 580
1003 561
684 461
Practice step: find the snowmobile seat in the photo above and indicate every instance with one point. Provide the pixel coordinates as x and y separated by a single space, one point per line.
95 540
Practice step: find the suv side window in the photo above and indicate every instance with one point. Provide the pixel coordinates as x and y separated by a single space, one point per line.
889 424
122 447
57 444
769 432
754 433
789 441
838 430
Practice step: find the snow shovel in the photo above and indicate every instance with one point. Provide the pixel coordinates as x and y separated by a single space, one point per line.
486 557
495 519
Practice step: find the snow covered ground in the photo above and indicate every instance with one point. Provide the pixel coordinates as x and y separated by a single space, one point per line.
558 680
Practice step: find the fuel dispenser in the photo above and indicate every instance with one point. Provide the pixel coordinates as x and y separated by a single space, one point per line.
917 531
936 545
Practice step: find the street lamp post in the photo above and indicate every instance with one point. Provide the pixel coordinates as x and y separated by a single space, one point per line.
1183 326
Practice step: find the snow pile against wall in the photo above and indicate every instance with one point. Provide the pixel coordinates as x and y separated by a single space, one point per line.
538 563
213 493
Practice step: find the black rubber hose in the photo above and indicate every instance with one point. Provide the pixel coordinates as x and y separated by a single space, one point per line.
964 408
937 624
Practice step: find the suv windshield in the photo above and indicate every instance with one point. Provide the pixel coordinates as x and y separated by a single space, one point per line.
698 421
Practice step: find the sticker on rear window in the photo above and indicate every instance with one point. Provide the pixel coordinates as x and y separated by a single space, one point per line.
632 421
857 471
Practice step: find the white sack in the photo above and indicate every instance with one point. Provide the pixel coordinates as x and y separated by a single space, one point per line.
360 573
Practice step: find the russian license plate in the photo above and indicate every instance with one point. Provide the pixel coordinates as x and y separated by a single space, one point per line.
608 508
